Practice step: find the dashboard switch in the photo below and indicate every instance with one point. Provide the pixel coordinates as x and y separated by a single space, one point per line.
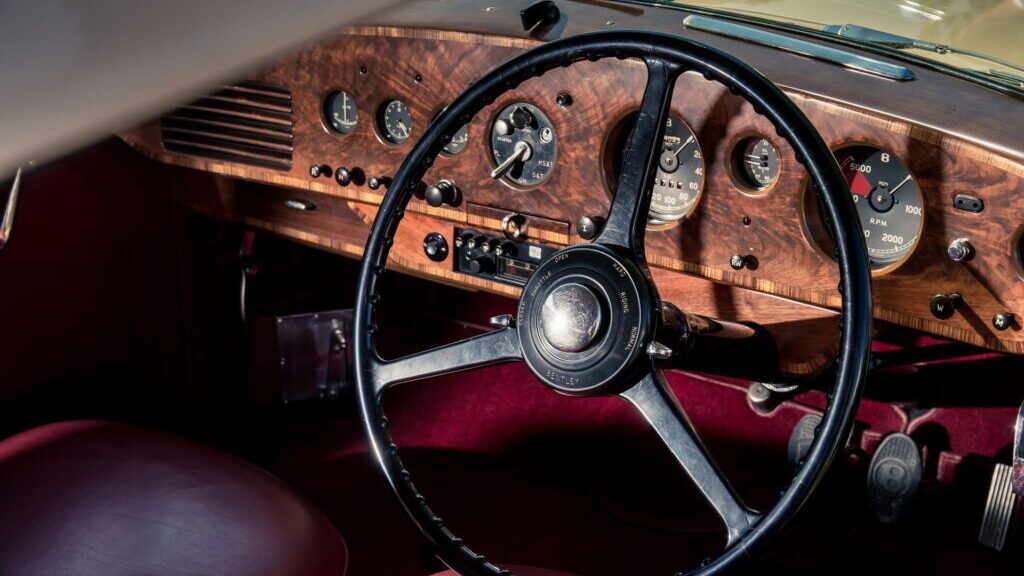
1003 320
375 182
342 176
944 305
444 192
960 250
317 170
588 228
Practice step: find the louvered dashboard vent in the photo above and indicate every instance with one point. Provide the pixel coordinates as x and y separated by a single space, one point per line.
249 123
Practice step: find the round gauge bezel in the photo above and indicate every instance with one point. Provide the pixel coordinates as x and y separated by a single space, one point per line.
489 133
1017 251
617 133
823 244
380 129
326 123
738 180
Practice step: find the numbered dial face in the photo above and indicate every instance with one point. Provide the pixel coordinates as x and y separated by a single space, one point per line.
394 121
340 112
459 141
888 202
756 163
524 145
679 181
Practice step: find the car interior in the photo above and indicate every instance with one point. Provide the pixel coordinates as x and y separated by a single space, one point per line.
545 288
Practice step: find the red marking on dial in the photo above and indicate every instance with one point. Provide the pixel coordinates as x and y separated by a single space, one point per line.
861 185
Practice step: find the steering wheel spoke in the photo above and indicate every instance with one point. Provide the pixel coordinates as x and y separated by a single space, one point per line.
627 217
484 350
656 402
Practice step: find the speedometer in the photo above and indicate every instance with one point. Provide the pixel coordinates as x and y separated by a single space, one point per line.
888 201
679 180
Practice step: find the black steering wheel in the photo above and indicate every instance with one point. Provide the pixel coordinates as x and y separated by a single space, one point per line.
604 290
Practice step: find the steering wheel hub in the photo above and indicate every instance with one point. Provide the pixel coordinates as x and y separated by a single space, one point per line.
583 318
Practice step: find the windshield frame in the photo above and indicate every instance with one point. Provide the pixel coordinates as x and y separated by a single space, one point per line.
1002 86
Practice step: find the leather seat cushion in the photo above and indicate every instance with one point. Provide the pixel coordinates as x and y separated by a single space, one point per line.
102 498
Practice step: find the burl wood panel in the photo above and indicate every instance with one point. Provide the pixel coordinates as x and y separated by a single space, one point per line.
427 69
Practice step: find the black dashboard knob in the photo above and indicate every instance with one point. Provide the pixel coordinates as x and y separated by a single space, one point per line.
316 170
589 227
375 182
342 176
1003 320
479 263
435 247
944 305
442 193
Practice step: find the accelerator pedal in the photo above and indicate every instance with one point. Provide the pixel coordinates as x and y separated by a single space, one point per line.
893 477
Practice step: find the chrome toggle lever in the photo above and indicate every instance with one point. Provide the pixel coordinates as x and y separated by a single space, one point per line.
520 153
7 217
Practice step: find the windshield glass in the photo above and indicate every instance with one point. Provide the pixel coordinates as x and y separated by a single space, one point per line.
971 29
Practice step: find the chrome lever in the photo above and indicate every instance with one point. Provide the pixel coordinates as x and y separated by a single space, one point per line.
7 221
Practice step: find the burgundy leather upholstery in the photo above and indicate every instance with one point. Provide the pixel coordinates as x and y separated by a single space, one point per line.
100 498
517 571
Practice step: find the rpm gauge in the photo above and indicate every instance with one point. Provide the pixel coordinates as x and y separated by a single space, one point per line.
888 201
679 180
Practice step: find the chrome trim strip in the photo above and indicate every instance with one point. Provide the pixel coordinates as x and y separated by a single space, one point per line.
7 221
797 46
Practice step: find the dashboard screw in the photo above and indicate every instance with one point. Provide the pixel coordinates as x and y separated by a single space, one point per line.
564 99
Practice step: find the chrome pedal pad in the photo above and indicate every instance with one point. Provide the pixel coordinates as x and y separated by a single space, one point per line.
999 507
893 477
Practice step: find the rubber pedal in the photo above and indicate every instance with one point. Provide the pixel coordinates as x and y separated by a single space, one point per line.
801 438
894 476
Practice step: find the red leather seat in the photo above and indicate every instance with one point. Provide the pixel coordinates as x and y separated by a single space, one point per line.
100 498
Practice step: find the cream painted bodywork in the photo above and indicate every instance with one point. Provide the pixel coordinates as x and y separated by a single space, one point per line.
992 27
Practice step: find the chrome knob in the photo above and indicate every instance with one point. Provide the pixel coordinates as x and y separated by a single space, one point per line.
960 250
570 317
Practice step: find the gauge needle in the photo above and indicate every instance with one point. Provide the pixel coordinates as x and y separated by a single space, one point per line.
900 185
405 129
685 144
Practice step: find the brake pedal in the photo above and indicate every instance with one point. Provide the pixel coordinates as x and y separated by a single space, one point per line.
893 477
801 438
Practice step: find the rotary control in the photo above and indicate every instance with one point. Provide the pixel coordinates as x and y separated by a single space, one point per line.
522 118
444 192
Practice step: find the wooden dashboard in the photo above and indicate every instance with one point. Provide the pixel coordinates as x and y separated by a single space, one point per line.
792 290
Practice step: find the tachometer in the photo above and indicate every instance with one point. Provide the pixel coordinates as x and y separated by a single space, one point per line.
888 201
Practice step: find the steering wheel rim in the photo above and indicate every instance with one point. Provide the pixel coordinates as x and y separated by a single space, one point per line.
666 57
